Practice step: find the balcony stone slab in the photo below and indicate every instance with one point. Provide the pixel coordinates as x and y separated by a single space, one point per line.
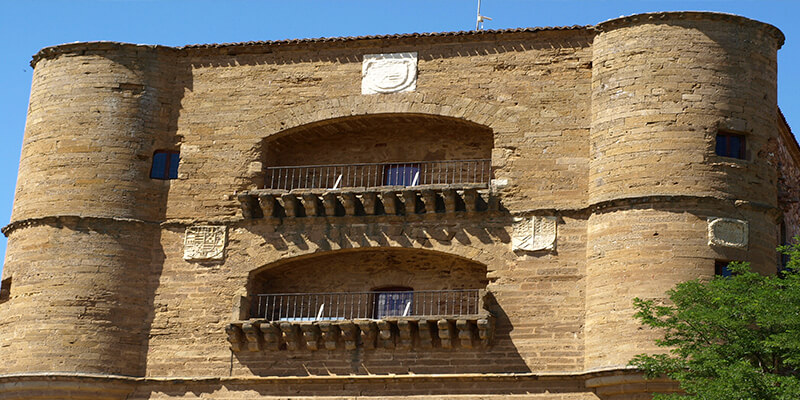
400 333
273 204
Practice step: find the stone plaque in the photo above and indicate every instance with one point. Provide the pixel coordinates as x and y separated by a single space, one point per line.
534 233
727 232
204 243
389 73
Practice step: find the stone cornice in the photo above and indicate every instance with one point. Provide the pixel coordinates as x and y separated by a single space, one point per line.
266 47
689 15
496 377
598 207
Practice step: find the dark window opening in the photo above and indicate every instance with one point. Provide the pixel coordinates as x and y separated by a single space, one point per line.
401 174
165 164
721 268
730 145
5 289
393 302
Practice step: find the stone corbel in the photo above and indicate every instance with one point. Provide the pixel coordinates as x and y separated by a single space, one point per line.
486 331
450 200
311 336
235 337
272 335
370 202
429 199
447 332
248 208
427 333
386 335
291 335
349 203
329 201
253 335
407 330
390 202
369 333
464 333
311 205
330 334
471 200
267 203
349 332
291 205
410 201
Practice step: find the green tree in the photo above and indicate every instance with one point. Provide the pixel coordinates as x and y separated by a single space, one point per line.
729 338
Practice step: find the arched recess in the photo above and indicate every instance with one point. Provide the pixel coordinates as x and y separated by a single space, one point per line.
379 138
386 116
367 269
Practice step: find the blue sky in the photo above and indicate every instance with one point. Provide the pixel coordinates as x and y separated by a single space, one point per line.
27 26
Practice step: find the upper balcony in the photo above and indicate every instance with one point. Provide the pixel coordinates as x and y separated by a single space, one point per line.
379 164
421 187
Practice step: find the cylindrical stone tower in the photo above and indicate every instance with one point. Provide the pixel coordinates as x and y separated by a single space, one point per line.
84 230
663 86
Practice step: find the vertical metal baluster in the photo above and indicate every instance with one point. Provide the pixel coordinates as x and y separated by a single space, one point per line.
351 307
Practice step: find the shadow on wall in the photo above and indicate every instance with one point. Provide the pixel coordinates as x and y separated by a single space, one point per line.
357 234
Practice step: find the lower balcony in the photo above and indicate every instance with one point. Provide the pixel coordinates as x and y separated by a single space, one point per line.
391 319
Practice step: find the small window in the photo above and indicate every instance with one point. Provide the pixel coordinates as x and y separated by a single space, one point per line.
721 268
401 174
730 145
5 289
393 302
165 164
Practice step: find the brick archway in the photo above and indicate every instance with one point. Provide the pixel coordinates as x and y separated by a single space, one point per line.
500 119
344 275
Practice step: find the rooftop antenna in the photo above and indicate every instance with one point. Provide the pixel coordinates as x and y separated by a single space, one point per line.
481 18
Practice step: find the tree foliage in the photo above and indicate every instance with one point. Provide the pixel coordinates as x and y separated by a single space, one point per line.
729 338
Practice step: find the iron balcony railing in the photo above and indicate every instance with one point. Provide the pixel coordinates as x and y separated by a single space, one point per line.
337 176
367 305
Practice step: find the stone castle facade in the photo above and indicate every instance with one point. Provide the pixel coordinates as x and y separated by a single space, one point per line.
445 215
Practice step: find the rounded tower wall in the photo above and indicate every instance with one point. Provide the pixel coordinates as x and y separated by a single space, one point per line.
663 86
83 239
79 298
93 123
